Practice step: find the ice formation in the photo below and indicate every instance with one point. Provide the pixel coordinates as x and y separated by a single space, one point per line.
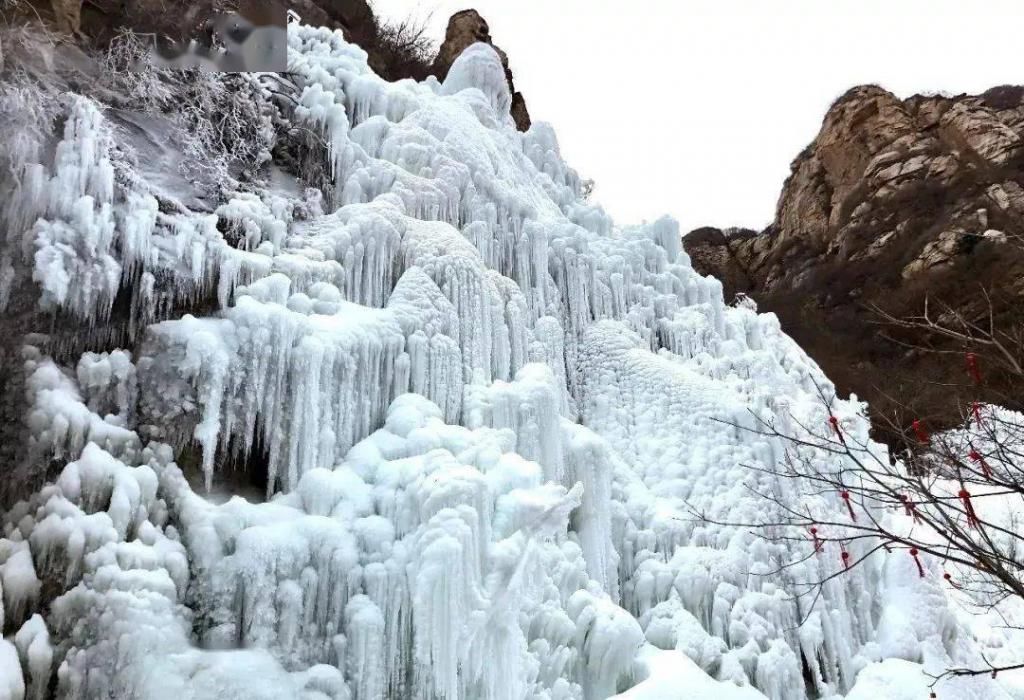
485 416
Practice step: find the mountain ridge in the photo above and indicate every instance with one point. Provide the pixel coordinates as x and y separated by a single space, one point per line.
894 202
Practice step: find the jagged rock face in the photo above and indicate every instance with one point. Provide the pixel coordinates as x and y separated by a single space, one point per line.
311 11
893 200
348 13
712 249
466 28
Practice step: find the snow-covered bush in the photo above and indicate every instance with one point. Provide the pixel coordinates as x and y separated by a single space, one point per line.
29 102
945 517
224 119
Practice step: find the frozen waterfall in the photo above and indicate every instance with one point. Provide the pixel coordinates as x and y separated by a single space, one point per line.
477 418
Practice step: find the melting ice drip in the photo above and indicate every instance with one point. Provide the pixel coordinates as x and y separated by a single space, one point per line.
487 413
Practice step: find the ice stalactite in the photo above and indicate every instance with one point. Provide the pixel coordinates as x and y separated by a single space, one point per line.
608 639
530 407
101 536
431 328
395 550
589 462
365 647
12 684
476 69
61 422
263 366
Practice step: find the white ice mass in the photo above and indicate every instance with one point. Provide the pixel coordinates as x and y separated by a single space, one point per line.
484 419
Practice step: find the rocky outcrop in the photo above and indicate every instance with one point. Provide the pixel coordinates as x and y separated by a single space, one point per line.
466 28
712 249
893 201
395 51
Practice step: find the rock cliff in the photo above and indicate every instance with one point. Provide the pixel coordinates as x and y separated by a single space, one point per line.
893 202
466 28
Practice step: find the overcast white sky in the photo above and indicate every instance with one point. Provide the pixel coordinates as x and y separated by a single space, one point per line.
696 107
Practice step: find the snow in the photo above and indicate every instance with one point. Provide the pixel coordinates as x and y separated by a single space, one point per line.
481 414
902 680
671 675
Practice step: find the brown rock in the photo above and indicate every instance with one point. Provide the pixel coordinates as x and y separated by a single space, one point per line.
311 12
712 248
466 28
520 114
982 132
893 201
68 15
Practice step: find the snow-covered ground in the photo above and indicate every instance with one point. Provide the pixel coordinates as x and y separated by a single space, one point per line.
487 414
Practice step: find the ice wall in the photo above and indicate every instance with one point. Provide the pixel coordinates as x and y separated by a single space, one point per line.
487 417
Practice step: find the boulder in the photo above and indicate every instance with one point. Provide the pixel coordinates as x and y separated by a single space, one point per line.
466 28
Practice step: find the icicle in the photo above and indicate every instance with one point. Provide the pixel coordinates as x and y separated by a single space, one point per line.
950 580
365 625
12 683
976 410
33 643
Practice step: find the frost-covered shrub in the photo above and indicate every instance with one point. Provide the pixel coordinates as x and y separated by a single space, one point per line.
29 106
228 116
27 114
127 65
224 120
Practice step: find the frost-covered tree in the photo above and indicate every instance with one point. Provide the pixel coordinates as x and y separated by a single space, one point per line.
950 504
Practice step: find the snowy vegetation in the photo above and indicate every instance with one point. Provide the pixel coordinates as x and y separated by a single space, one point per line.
481 418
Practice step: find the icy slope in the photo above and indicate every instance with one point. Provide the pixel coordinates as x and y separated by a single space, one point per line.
483 417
